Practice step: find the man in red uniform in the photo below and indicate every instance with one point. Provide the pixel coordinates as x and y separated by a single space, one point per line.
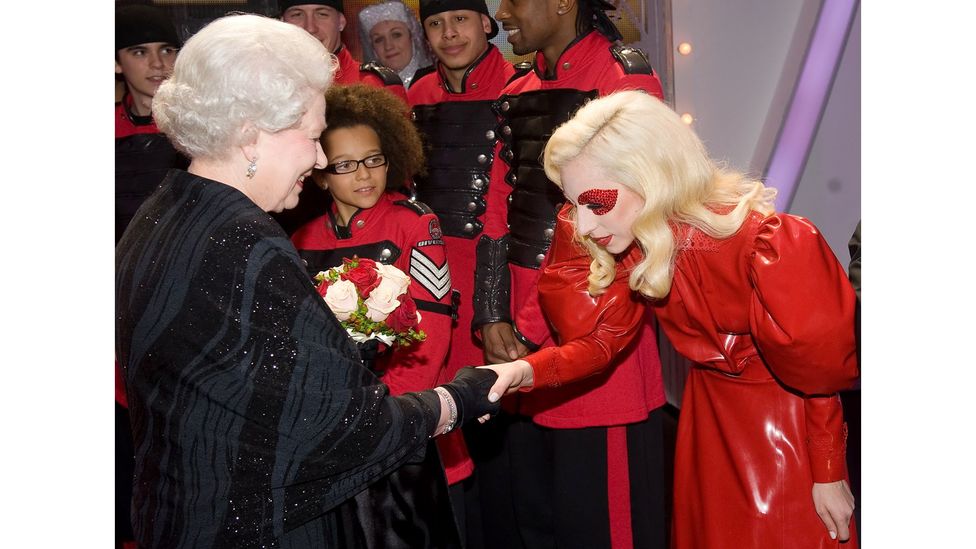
146 45
325 21
584 461
452 106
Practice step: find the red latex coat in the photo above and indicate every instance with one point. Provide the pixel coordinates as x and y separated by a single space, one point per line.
348 73
586 65
766 309
421 365
483 81
126 123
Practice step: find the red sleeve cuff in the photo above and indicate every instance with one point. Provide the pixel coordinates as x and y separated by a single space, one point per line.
828 456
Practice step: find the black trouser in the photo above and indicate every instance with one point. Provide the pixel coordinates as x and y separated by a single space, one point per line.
548 488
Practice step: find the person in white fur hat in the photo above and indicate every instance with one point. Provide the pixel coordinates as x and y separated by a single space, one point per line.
391 35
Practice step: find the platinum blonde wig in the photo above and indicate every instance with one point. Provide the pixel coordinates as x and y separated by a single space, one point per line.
637 141
237 70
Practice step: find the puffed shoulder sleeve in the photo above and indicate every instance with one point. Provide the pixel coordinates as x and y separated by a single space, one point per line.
802 307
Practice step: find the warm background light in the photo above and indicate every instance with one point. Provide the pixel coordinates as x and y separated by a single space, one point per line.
684 48
687 118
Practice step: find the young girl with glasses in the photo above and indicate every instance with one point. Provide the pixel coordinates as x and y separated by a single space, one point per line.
373 152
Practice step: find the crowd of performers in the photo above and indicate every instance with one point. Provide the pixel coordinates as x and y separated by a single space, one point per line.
553 216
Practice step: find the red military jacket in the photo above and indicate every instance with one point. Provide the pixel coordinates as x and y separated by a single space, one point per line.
351 71
631 386
404 234
586 65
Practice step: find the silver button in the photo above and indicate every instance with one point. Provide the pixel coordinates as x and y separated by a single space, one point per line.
482 159
386 253
472 206
507 130
548 233
509 155
413 115
505 106
510 198
468 227
566 66
489 135
360 223
539 258
478 183
305 262
514 178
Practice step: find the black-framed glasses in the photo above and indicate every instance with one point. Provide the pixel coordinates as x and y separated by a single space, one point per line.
349 166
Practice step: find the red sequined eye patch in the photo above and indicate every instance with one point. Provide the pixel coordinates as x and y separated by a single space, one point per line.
604 199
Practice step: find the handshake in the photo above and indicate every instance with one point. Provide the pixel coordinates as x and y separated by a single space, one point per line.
476 392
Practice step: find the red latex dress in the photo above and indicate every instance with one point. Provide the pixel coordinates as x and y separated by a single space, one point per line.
767 318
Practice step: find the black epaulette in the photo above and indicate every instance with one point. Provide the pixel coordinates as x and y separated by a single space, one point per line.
386 74
422 72
633 59
521 69
418 207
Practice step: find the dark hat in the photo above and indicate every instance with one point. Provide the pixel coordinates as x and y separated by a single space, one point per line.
433 7
285 4
141 24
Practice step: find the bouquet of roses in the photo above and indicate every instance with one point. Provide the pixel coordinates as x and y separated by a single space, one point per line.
370 300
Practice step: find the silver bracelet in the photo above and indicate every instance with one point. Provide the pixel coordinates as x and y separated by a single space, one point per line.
451 408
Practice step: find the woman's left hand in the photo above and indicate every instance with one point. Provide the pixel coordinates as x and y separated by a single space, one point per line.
834 503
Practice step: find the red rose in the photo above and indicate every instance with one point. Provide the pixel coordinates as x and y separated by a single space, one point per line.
364 277
366 262
404 317
359 261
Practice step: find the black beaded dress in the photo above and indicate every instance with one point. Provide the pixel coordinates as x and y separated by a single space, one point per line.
254 422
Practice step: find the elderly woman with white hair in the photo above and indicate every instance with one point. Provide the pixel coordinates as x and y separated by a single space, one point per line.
254 422
390 34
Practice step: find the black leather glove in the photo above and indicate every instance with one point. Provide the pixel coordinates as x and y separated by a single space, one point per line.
470 391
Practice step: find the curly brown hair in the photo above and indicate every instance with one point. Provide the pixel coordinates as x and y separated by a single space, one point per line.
388 116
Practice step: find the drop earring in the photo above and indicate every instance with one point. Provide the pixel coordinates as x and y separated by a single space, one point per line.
252 168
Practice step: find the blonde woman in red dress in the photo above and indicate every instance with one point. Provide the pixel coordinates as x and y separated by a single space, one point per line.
755 299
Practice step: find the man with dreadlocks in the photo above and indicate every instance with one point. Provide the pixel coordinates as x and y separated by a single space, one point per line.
575 462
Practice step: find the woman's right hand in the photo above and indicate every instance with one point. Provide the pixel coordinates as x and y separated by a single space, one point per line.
834 504
512 376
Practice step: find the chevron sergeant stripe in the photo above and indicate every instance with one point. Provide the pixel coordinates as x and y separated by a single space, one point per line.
435 278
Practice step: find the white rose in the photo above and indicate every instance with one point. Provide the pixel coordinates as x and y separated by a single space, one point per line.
342 298
383 300
392 275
